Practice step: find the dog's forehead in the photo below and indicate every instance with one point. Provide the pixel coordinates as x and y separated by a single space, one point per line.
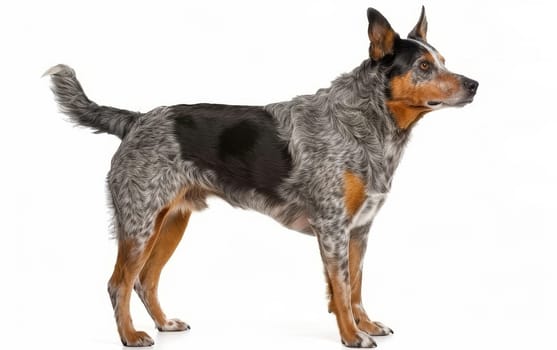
430 51
406 52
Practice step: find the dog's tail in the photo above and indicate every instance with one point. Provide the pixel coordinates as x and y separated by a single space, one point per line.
82 111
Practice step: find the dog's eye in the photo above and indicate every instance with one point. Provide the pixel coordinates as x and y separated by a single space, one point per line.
425 66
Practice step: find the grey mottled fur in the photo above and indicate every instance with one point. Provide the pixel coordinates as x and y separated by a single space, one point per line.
346 128
343 127
81 110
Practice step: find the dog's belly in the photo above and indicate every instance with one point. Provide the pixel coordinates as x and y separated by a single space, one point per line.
292 217
301 224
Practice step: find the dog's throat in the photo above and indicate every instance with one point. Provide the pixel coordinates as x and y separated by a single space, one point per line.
404 114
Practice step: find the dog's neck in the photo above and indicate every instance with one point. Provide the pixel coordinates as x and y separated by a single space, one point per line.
352 111
364 90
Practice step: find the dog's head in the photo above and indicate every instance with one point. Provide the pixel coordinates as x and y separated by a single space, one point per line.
419 82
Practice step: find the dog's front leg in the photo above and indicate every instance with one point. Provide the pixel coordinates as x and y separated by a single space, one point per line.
357 248
334 246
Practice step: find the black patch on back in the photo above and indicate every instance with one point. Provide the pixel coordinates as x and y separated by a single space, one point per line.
240 143
237 140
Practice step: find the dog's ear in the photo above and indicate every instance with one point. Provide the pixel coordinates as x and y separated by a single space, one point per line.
420 30
381 35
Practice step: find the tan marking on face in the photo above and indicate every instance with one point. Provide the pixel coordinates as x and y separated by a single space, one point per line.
405 115
429 57
409 100
354 192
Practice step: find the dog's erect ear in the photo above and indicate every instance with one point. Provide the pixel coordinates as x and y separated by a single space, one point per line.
420 30
381 35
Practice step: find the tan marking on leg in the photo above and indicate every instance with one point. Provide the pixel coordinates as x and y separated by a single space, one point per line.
355 265
341 307
354 192
132 255
340 304
360 316
170 235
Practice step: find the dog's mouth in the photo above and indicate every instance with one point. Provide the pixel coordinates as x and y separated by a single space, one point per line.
438 104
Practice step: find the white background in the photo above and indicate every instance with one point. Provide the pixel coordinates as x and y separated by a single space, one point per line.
462 256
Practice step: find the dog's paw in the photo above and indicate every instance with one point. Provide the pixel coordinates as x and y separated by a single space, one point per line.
173 325
137 339
361 340
375 328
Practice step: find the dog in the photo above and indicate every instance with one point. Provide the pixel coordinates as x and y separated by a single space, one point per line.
319 164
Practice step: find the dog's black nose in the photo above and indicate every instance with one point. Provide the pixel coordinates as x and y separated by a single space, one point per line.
470 85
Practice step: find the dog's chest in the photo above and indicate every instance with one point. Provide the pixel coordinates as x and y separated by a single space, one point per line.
379 183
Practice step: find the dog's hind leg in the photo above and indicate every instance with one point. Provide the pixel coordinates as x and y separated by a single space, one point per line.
133 252
146 285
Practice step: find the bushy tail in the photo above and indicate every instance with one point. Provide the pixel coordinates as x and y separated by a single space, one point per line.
73 102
